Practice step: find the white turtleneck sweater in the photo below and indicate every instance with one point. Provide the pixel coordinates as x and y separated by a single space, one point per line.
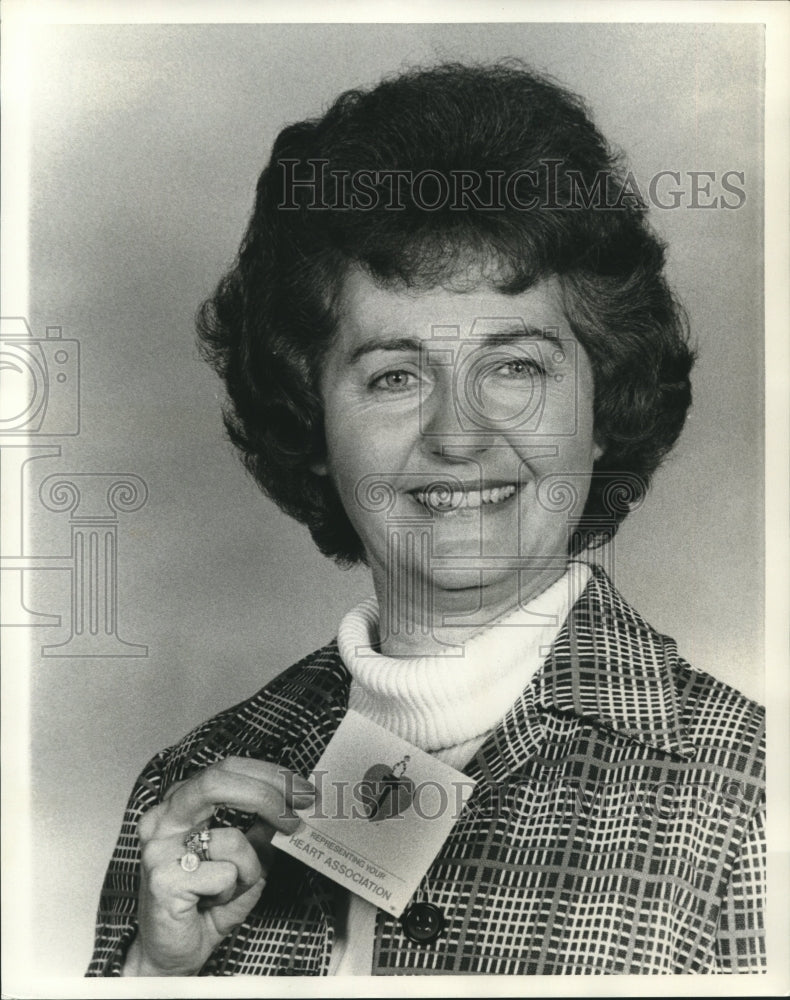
446 705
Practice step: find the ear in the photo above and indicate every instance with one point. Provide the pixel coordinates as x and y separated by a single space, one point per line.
319 468
598 451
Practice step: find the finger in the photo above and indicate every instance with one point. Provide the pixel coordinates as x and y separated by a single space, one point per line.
294 786
175 891
226 844
194 800
229 915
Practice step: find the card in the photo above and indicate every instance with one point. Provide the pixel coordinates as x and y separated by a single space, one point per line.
385 809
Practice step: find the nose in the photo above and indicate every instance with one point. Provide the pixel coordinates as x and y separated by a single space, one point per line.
447 430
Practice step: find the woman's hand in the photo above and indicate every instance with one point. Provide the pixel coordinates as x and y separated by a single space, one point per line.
183 915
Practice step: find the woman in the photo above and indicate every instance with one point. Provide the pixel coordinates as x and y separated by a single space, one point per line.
449 350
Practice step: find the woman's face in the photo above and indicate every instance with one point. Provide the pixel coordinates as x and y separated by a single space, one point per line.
449 417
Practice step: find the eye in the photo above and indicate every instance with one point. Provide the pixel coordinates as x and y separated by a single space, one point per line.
396 380
520 368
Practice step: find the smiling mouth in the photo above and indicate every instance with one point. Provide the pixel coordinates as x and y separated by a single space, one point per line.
441 499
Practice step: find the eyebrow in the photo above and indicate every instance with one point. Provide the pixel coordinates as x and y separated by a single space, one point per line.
389 344
496 338
524 332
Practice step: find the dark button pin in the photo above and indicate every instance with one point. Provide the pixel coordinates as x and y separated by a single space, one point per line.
422 922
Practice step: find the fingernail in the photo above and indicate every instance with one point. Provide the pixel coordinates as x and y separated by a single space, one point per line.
288 824
301 800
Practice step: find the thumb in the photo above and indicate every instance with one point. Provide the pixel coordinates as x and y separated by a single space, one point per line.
229 915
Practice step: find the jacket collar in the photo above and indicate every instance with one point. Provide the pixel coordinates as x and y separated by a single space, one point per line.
608 665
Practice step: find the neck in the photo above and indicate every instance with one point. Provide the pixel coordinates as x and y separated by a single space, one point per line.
446 703
425 618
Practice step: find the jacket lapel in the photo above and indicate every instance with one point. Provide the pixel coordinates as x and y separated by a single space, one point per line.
607 665
610 666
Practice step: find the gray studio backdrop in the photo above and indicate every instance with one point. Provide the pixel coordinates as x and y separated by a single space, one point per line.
146 145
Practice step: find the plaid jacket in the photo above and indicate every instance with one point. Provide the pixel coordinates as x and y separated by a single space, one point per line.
617 824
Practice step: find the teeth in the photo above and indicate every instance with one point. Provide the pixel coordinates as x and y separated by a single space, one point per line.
445 501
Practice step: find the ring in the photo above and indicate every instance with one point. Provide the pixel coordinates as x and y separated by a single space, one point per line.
196 843
204 836
190 861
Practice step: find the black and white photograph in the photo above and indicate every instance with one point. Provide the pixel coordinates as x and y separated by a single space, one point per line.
394 467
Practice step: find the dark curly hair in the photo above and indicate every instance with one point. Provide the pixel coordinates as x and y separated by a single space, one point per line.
569 212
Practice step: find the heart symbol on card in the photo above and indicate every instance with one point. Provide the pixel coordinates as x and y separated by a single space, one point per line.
385 791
